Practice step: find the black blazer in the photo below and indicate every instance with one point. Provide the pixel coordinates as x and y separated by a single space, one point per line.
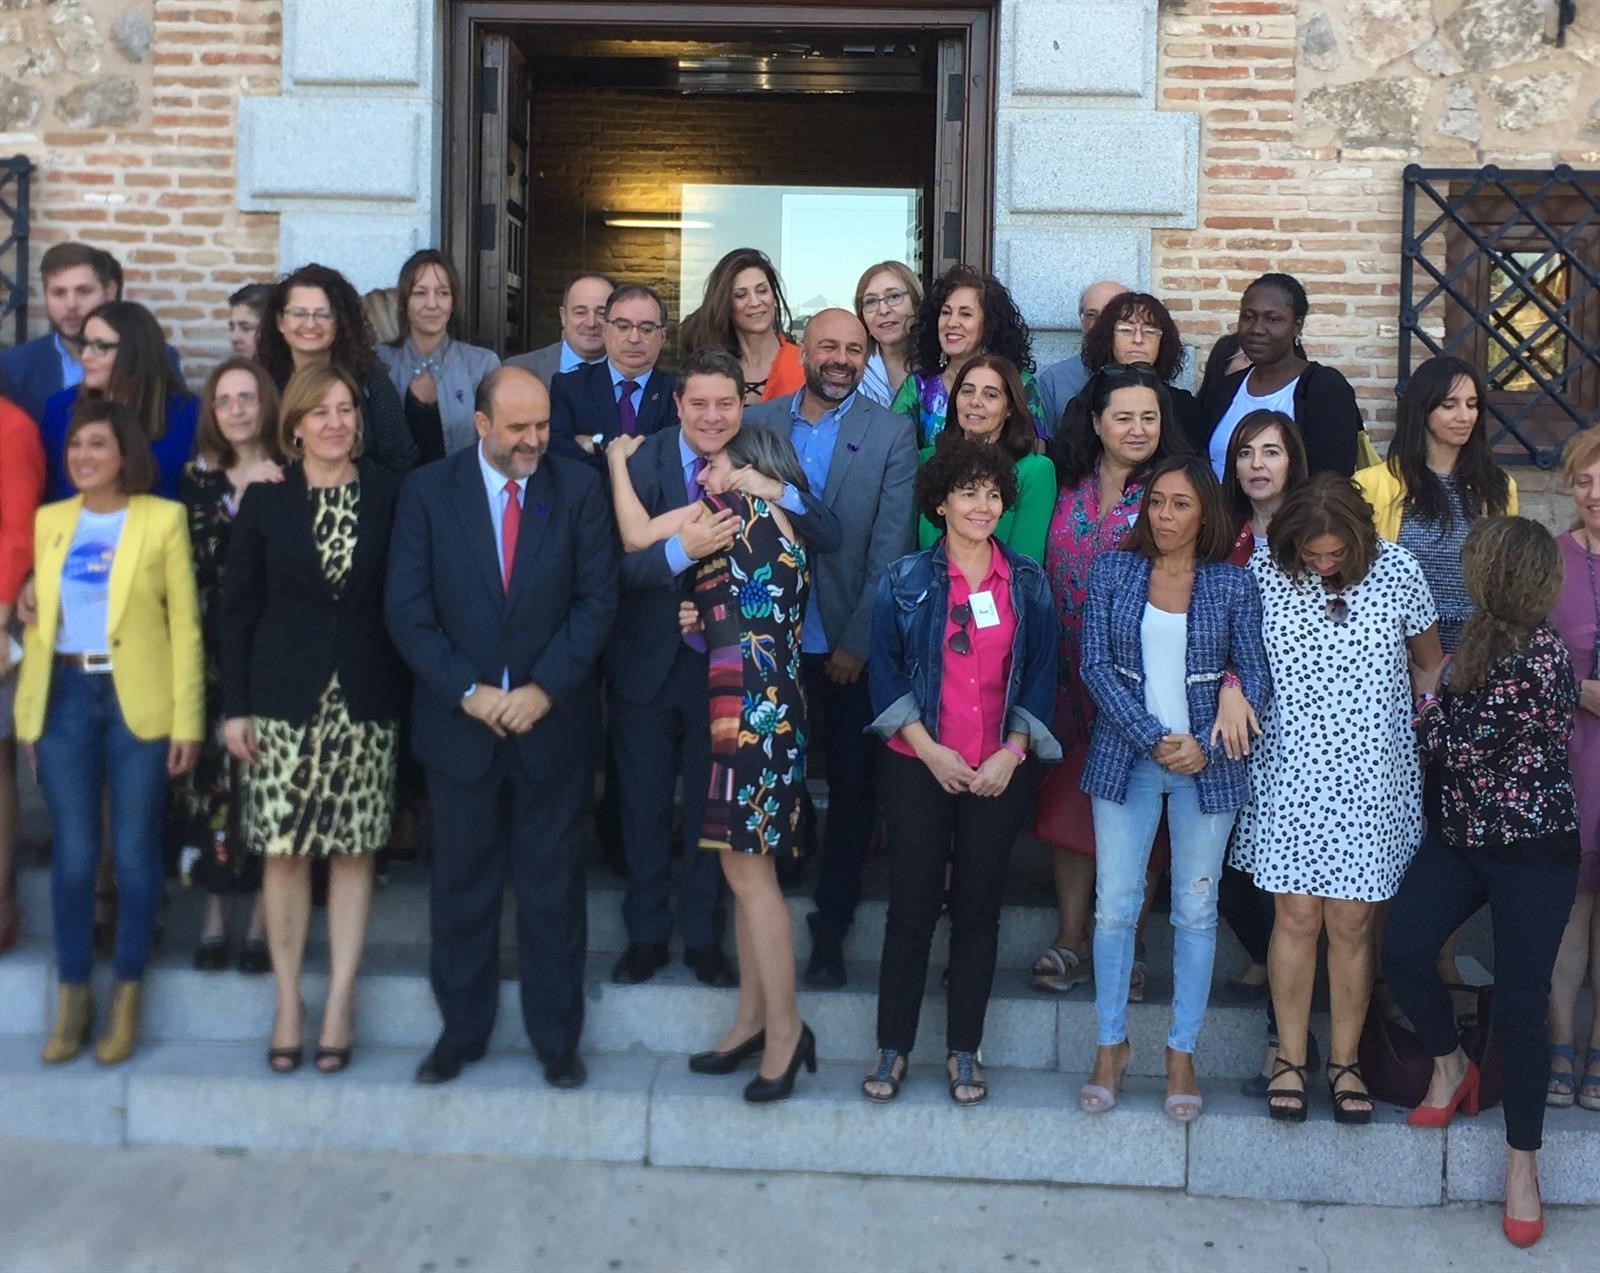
647 636
284 630
1324 408
583 401
456 626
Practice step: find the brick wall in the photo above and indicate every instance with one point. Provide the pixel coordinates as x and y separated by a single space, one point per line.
158 189
634 149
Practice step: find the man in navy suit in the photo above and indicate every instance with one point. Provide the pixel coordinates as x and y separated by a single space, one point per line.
502 590
657 679
625 392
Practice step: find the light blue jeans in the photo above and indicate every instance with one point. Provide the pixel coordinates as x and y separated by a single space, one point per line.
1123 834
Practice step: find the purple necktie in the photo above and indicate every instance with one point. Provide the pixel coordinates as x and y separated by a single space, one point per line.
625 411
691 488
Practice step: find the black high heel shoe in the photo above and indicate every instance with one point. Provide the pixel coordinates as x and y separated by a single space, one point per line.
760 1090
729 1061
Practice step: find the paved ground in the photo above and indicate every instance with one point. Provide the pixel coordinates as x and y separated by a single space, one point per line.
69 1208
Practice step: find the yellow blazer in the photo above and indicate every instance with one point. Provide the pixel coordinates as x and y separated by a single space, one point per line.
152 621
1383 489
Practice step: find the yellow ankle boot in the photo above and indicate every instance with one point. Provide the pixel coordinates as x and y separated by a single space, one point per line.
122 1024
74 1016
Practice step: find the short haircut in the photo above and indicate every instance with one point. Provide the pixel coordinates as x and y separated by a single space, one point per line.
566 292
1217 531
209 438
1581 451
769 453
305 392
1250 427
901 271
68 256
711 360
137 473
483 399
1017 433
256 296
414 265
958 464
1328 504
637 291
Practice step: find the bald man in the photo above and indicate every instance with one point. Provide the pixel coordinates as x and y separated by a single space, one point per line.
502 589
1061 382
862 460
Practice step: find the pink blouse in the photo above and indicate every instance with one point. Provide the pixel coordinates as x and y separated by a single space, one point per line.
972 686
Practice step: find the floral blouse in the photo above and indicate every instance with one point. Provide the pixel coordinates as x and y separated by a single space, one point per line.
1507 785
1078 534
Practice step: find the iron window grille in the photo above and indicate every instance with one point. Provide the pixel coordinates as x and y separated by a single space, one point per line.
15 175
1502 269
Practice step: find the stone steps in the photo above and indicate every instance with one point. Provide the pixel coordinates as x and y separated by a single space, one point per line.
643 1107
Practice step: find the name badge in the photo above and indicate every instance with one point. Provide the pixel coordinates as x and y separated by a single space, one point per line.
984 614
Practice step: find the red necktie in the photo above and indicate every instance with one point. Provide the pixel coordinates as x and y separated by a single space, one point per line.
510 524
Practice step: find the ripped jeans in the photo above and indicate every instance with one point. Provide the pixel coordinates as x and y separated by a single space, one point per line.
1123 834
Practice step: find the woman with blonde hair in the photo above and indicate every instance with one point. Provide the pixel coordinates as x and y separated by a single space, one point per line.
1510 840
887 298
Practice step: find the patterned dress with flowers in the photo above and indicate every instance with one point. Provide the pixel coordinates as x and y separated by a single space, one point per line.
752 602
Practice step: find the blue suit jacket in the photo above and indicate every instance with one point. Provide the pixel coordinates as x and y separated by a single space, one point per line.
30 373
172 450
584 401
455 625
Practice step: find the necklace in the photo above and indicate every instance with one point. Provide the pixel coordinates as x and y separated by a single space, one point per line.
1594 598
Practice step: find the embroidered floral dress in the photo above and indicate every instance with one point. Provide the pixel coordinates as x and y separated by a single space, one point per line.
752 602
1078 534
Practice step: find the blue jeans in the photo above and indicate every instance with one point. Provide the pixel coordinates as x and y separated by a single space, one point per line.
1123 834
85 749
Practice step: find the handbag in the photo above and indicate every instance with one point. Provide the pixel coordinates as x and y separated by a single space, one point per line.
1063 816
1398 1067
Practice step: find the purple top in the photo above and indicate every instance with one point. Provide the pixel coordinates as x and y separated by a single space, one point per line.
1576 618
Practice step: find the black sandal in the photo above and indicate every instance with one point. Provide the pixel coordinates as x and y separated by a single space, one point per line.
339 1056
965 1077
285 1060
211 955
1290 1113
891 1072
1346 1104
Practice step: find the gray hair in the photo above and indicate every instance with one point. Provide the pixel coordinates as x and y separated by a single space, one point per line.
769 453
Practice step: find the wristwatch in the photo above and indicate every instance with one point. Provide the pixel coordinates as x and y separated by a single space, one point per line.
470 691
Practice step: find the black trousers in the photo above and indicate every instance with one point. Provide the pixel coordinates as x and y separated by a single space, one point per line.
1248 910
652 743
504 824
843 712
1529 904
928 829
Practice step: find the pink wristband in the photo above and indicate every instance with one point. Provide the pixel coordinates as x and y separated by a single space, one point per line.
1015 750
1230 681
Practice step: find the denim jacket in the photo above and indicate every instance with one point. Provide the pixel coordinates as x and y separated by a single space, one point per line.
1224 628
906 664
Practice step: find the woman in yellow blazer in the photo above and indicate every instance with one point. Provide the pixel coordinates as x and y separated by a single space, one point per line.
1440 477
110 699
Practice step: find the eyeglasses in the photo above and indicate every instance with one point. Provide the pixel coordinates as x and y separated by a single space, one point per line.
322 317
1116 370
1135 331
961 616
1338 611
624 328
887 301
98 347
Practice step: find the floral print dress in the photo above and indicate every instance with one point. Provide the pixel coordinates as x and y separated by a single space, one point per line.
752 602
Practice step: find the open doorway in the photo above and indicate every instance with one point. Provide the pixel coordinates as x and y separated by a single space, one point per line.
645 148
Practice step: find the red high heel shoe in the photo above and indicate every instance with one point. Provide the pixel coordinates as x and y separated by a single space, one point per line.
1524 1233
1465 1098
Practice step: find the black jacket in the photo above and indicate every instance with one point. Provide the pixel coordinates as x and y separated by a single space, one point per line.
1324 408
284 630
584 401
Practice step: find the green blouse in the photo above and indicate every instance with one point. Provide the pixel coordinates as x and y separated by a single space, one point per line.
1024 526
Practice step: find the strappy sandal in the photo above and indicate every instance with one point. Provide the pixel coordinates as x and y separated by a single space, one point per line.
1589 1089
1060 969
285 1060
1295 1112
1563 1088
1094 1099
1347 1105
891 1072
966 1076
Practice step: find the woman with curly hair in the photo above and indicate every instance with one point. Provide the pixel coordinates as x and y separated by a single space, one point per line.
314 318
1510 840
965 313
1136 327
744 312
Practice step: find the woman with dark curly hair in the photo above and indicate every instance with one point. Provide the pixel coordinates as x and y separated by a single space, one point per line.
1135 327
965 313
744 313
962 678
314 318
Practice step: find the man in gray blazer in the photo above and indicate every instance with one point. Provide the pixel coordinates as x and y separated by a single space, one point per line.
862 460
583 330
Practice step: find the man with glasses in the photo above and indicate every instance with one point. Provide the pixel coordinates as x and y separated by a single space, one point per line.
1063 381
582 315
625 393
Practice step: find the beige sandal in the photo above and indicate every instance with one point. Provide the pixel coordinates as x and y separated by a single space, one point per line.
1060 969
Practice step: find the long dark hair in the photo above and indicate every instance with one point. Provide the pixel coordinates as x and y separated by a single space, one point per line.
712 324
1217 532
140 377
1482 485
414 265
1005 331
1016 433
1076 447
354 347
1099 340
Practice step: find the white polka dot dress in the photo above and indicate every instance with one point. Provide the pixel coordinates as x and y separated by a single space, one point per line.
1336 785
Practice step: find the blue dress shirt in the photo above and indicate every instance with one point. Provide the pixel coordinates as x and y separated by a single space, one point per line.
618 377
71 368
814 443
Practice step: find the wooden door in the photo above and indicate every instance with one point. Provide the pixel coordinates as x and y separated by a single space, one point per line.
500 228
